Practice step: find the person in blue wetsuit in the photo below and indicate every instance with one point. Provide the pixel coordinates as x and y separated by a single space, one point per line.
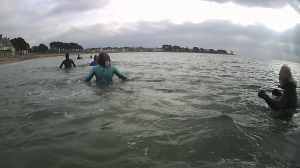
288 99
67 62
95 62
104 71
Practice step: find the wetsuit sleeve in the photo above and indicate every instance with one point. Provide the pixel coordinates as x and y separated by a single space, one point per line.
73 63
277 105
276 92
62 63
90 75
119 74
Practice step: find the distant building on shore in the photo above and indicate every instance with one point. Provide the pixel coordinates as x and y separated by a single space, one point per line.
221 52
164 48
6 47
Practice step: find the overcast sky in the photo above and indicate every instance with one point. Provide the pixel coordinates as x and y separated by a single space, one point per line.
252 28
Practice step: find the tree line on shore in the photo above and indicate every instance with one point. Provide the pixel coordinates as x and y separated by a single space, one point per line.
21 45
176 48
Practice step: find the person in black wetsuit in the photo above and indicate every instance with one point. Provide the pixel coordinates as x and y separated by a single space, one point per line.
288 99
67 62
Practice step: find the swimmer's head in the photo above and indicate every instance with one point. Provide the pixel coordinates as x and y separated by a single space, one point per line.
102 58
285 75
67 55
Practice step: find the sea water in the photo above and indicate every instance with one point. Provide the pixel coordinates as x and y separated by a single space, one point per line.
177 110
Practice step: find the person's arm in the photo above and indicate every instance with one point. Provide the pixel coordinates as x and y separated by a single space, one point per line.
73 63
90 75
119 74
61 64
273 104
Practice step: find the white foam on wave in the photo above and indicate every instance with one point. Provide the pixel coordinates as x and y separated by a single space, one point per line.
146 151
66 115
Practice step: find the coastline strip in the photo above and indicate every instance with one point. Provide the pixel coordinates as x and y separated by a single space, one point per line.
19 58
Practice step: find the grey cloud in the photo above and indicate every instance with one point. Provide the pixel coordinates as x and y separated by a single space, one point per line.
263 3
34 11
30 19
257 3
295 4
291 35
76 7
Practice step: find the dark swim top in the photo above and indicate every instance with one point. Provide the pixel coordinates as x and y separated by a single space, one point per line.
288 99
104 75
68 63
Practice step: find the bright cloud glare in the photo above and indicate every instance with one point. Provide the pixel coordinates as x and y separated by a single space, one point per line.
195 11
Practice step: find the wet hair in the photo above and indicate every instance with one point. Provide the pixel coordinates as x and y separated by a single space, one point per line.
67 55
102 57
286 73
95 57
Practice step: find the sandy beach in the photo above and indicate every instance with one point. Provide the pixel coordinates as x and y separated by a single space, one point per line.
19 58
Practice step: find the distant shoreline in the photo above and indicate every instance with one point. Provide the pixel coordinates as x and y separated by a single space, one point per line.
20 58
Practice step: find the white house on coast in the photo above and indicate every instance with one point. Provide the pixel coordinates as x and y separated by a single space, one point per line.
6 48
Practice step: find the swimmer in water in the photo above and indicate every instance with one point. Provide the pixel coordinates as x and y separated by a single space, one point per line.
94 63
67 62
104 71
288 99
